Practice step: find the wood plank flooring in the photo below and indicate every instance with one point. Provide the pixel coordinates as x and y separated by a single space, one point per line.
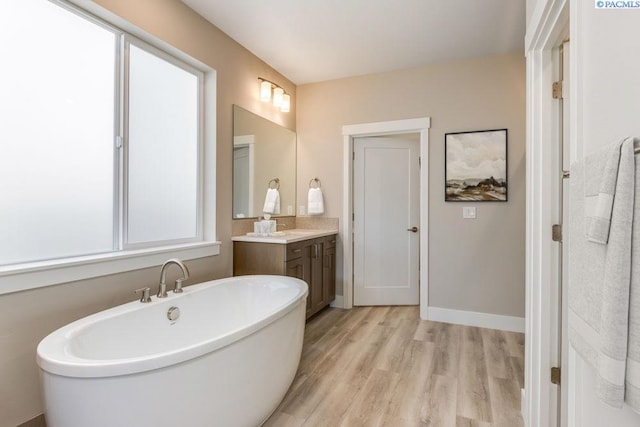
383 366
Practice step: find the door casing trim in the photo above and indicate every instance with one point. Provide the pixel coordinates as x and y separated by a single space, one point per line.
349 132
545 31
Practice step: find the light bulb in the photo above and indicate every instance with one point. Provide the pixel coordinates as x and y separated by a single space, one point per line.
265 91
278 94
285 107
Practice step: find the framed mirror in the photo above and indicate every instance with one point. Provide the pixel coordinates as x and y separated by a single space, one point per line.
264 156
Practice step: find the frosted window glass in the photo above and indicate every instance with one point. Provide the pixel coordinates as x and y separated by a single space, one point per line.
56 133
162 150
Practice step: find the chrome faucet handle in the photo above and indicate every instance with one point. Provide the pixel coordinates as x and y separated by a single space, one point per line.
145 294
177 289
162 290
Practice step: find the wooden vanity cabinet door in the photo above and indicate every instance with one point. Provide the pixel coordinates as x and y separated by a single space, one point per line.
316 291
295 268
298 265
299 268
329 267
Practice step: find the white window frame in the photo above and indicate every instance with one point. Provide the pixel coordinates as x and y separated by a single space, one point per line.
19 277
127 41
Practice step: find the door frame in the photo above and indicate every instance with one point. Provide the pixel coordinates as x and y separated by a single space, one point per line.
546 30
349 132
248 141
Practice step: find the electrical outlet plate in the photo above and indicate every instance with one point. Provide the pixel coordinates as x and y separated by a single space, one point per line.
302 210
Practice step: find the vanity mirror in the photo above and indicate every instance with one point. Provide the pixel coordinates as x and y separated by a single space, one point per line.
264 156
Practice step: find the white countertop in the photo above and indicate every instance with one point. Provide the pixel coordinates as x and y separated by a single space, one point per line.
287 236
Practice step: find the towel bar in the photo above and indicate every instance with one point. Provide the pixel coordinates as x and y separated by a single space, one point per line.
566 174
315 181
275 182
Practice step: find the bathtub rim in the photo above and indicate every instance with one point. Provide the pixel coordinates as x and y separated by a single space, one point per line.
53 358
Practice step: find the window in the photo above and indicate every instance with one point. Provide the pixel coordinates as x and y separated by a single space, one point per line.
57 131
102 139
163 134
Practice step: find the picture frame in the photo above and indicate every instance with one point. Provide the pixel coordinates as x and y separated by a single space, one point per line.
476 166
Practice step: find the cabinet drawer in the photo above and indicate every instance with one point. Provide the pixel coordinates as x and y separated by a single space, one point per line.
295 250
330 241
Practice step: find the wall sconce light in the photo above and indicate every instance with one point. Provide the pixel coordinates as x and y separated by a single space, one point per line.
265 91
278 94
270 91
285 107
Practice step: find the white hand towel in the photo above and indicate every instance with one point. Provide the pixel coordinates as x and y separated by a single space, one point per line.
315 202
272 202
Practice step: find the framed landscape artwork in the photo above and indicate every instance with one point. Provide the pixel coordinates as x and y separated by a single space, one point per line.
476 166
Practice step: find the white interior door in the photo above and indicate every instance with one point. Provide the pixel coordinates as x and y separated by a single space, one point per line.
386 206
241 182
564 278
559 215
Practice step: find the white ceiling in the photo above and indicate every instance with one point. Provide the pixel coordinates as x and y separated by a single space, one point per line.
315 40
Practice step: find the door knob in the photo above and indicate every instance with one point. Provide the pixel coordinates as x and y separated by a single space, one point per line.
413 229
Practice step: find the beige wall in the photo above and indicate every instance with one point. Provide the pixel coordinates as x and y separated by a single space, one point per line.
474 265
28 316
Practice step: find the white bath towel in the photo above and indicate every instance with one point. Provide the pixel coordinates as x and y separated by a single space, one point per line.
604 305
601 174
272 202
315 202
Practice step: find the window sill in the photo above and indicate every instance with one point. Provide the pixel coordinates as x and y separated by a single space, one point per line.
21 277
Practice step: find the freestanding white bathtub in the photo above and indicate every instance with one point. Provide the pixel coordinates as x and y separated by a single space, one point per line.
227 361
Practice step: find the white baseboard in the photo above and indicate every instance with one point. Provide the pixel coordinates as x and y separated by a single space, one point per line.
338 302
472 318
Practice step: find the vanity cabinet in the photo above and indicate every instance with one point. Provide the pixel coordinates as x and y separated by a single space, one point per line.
312 260
329 265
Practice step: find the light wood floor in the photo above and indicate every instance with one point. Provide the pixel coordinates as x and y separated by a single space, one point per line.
383 366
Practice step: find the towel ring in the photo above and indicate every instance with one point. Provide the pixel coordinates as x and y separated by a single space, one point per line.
275 182
316 182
